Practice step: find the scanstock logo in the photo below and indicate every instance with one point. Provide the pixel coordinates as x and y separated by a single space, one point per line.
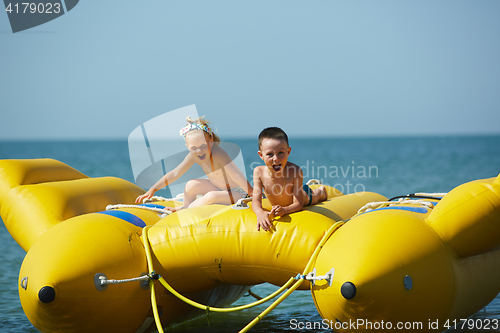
31 13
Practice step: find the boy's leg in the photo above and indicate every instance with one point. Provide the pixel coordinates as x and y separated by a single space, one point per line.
319 194
308 195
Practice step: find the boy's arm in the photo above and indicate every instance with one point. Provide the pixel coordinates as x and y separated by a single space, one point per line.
262 216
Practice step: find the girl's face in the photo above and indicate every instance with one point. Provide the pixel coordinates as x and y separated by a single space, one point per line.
199 144
274 153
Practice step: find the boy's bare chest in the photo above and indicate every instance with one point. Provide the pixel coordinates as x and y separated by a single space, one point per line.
278 187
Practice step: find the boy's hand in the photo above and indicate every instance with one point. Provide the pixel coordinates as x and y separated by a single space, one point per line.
263 221
276 211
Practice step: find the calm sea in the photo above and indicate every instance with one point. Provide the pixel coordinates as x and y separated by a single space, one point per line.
389 166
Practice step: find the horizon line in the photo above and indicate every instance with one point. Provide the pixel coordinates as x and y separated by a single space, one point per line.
245 137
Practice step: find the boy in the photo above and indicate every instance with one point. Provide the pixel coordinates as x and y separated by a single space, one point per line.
280 179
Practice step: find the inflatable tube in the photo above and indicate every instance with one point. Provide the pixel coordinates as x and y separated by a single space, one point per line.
401 262
35 195
211 254
414 265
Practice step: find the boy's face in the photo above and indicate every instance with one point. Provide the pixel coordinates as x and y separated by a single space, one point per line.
199 144
274 153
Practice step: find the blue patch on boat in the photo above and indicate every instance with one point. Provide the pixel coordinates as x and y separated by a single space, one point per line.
421 210
152 206
130 218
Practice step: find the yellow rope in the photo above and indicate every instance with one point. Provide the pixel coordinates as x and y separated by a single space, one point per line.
145 241
297 284
237 308
191 302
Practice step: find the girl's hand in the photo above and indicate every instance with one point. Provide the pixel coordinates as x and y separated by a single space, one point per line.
146 195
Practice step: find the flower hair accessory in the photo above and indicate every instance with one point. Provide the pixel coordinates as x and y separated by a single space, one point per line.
194 126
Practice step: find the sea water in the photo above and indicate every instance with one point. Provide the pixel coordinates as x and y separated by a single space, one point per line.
389 166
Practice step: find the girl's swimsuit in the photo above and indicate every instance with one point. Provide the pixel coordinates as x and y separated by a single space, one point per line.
240 191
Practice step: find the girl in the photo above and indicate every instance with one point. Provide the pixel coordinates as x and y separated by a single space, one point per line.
225 184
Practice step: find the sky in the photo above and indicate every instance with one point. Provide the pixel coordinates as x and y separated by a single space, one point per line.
314 68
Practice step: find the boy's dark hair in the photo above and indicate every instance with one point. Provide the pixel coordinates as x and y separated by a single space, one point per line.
273 133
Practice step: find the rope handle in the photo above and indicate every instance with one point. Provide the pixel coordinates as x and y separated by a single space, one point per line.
313 182
179 196
380 204
242 203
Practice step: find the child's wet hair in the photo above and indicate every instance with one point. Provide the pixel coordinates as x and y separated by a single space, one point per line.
201 121
272 133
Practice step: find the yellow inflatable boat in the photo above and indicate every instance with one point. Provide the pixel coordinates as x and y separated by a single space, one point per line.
91 267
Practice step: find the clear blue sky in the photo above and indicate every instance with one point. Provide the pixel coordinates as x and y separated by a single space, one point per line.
325 67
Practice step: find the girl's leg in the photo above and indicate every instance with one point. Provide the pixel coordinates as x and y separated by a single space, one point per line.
210 194
217 197
197 187
194 188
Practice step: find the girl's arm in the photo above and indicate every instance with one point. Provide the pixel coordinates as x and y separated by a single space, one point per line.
233 171
168 178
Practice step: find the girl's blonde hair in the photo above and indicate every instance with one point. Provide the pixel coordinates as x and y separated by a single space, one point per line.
199 124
